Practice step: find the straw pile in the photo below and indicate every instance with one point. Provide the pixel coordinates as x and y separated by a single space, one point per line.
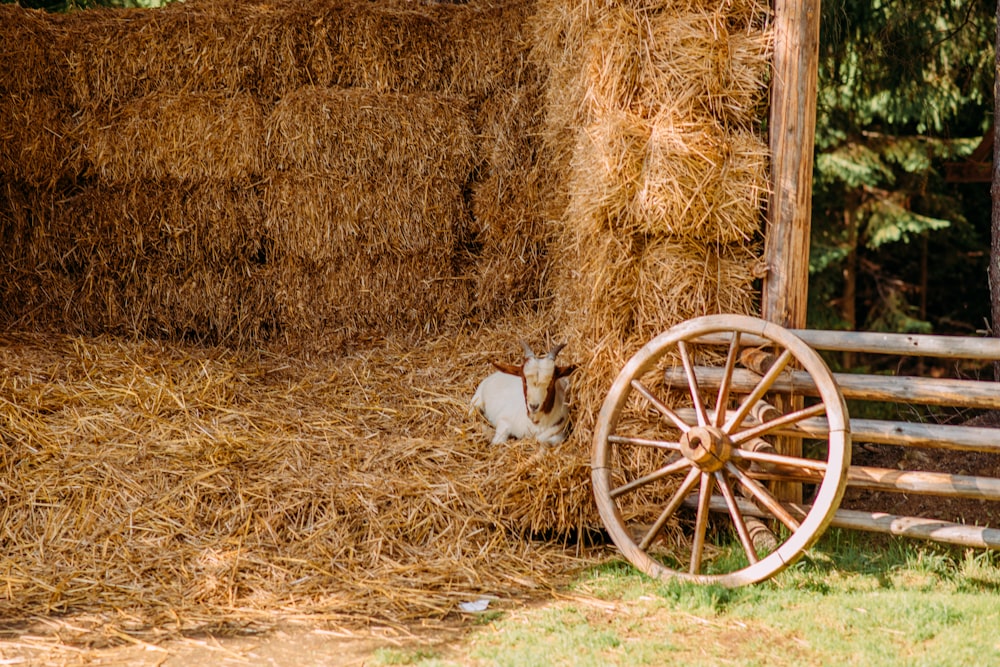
152 485
410 186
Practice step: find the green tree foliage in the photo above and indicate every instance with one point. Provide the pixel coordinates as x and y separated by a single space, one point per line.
904 86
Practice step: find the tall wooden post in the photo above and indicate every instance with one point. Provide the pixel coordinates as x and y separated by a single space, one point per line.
792 127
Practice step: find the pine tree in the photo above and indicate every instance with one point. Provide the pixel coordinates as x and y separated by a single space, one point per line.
903 87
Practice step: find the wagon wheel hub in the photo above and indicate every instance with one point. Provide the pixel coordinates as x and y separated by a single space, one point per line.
707 447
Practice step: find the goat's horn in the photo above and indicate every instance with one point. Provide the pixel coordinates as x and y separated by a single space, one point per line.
555 350
527 349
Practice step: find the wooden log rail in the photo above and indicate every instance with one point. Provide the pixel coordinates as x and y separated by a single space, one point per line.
981 537
976 394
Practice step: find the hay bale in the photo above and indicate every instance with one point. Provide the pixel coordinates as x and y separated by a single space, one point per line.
712 61
513 197
155 258
357 298
717 196
332 218
178 136
28 60
691 60
37 140
507 257
367 172
669 176
470 49
191 224
224 305
680 279
34 257
360 133
116 56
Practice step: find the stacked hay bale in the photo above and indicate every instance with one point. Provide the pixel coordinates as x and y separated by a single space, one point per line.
315 174
653 113
365 209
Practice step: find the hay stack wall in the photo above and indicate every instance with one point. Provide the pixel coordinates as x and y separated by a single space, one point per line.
318 174
328 173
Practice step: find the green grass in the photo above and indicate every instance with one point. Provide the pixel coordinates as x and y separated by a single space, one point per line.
855 599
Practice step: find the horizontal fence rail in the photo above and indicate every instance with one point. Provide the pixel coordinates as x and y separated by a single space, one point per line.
885 432
948 532
914 345
894 389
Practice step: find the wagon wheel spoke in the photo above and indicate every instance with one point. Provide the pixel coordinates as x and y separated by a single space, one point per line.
727 380
737 516
669 469
764 497
660 406
701 521
758 392
645 442
772 425
692 379
671 508
782 460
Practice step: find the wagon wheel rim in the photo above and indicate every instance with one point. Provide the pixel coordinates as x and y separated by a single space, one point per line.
710 461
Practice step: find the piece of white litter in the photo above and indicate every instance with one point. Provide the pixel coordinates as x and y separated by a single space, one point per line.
475 605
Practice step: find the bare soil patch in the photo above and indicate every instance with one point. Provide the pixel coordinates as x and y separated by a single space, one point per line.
293 644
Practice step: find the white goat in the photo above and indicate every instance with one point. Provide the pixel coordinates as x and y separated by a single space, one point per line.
528 400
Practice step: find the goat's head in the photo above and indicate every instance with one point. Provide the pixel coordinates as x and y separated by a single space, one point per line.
538 376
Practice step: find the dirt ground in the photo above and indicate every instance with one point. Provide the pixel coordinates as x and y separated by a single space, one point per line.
292 646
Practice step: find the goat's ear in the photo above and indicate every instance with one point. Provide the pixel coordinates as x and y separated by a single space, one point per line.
563 371
510 369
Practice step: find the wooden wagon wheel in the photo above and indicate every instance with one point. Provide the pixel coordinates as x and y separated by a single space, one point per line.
687 428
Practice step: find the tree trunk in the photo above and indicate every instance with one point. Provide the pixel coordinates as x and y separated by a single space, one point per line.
849 305
994 270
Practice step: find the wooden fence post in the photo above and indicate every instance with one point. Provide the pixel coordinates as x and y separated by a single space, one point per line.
792 129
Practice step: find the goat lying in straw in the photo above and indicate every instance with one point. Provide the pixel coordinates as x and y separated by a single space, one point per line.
528 400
